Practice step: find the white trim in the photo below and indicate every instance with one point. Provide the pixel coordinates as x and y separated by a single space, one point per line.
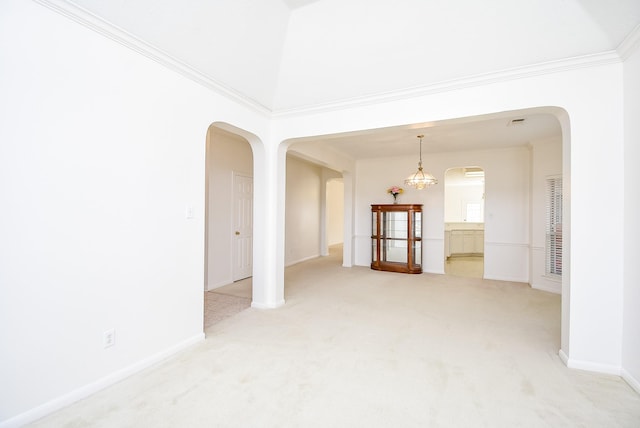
629 44
264 306
551 288
219 284
506 244
593 367
592 60
304 259
598 368
93 387
506 278
128 40
563 357
95 23
633 382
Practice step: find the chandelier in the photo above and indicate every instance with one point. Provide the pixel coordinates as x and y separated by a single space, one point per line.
420 179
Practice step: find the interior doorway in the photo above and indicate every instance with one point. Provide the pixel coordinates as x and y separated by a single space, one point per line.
334 217
228 284
464 221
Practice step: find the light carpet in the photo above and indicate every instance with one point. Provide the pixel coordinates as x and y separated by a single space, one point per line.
219 306
354 347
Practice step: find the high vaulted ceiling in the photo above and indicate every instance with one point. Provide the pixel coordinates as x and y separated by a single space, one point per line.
292 54
287 56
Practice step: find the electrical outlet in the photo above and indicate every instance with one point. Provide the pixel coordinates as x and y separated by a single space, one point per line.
109 338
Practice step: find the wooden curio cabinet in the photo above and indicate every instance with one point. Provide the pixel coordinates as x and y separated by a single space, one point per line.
396 238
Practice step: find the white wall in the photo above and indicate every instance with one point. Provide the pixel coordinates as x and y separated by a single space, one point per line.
546 161
101 152
591 312
302 218
506 207
335 212
227 153
631 342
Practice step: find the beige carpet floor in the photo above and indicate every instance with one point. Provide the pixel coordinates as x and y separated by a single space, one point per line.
354 347
468 266
219 306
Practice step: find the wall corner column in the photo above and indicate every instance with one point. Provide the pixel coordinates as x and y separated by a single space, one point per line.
268 226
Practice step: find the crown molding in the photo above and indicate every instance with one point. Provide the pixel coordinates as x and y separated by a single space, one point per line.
593 60
630 44
89 20
93 22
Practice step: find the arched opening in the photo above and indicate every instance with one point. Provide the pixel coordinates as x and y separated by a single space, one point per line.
228 224
513 149
334 219
314 210
464 221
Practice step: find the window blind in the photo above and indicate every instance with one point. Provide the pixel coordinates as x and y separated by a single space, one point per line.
554 226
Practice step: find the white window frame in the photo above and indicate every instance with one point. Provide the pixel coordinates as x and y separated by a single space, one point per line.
473 211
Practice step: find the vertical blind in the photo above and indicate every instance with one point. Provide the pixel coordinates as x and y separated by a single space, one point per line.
554 226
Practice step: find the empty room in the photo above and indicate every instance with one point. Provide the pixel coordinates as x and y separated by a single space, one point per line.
428 209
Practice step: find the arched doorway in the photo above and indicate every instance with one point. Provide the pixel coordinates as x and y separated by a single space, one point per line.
228 224
334 221
464 221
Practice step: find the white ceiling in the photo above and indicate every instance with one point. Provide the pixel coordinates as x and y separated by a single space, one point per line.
290 54
293 4
465 134
296 54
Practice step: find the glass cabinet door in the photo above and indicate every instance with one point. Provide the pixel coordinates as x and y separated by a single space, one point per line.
396 224
395 236
374 223
416 253
375 237
417 224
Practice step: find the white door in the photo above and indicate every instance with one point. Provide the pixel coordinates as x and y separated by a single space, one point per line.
243 226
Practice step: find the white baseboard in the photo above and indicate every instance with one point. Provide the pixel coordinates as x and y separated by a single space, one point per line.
590 366
551 288
506 278
93 387
265 306
633 382
563 357
219 284
601 368
295 262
